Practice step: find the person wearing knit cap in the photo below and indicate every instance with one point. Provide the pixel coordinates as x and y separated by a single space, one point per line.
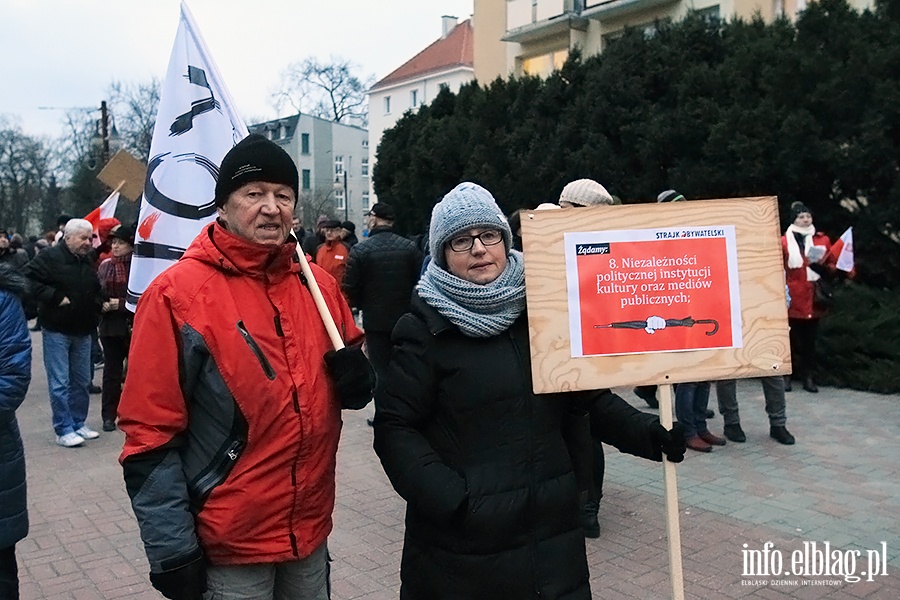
232 420
481 460
808 264
584 192
580 193
669 196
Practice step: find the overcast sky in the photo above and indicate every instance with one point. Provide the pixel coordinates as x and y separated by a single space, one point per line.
65 53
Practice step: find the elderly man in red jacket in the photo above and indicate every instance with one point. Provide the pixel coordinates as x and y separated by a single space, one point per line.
231 407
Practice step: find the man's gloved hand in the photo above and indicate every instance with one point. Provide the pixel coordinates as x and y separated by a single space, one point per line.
353 376
184 583
671 441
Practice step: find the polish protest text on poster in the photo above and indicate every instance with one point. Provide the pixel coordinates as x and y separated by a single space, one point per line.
652 290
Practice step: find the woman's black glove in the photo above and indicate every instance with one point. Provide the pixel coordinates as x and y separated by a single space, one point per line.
184 583
671 441
352 375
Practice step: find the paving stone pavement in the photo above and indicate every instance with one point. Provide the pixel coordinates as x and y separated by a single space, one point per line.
839 484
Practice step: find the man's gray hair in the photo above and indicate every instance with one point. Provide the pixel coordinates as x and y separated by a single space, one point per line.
75 225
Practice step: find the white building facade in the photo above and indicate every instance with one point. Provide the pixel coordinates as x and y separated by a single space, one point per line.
332 162
445 63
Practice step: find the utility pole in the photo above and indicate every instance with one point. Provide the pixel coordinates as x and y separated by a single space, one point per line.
104 133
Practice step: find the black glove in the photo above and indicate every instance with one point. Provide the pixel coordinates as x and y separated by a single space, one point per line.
184 583
352 375
671 442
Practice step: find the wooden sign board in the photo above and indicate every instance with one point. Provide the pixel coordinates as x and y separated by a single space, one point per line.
655 294
126 171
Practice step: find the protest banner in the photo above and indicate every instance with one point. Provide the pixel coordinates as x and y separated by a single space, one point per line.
656 294
661 293
126 174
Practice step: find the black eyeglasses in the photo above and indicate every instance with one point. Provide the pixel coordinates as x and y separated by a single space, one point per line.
464 243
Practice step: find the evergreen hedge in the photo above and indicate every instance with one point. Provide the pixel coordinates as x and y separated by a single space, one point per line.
805 111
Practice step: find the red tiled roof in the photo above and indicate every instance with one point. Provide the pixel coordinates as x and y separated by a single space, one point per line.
452 51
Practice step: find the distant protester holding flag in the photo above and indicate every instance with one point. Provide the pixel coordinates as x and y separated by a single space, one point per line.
232 414
809 266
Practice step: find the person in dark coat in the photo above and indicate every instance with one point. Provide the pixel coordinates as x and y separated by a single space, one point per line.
63 280
116 320
348 234
492 501
382 271
15 375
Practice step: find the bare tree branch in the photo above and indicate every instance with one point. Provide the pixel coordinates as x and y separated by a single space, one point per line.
328 90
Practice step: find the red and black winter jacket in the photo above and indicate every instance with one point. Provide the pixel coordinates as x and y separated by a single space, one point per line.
231 421
802 290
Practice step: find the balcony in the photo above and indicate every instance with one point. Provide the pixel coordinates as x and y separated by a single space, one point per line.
611 9
529 20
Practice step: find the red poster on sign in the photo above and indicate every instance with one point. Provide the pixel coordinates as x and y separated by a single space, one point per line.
653 291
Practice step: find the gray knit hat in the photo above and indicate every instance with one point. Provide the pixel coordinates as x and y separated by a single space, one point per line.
585 192
466 206
669 196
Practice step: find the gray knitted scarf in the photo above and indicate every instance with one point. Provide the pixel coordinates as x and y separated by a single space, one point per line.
478 310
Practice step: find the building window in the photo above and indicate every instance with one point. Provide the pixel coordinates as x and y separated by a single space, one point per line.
365 143
387 105
414 98
365 200
306 185
304 143
339 199
545 64
710 13
364 166
338 166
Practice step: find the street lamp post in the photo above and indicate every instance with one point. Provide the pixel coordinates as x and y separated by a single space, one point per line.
346 199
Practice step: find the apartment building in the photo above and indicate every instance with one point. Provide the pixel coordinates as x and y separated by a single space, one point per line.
332 159
536 36
447 62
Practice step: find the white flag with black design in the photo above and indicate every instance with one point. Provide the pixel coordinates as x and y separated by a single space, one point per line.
196 125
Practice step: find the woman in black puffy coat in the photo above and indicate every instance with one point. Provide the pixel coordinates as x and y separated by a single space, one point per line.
492 500
15 376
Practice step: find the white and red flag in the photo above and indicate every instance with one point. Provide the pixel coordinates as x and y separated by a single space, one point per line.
196 125
843 249
106 210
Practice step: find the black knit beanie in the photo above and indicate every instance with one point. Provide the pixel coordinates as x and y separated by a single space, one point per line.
797 209
255 158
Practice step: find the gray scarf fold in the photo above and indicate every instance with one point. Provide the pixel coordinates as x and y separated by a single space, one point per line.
478 310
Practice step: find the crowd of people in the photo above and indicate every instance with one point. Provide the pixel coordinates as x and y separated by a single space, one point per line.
239 403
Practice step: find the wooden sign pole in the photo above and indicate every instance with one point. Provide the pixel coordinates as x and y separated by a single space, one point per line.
673 527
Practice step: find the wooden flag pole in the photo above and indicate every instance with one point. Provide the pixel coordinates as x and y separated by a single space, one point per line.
330 327
673 527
